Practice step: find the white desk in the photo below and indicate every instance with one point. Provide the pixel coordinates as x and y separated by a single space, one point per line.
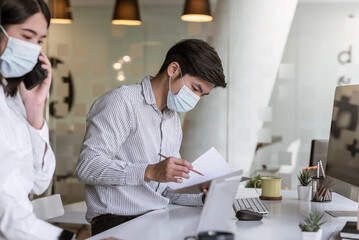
176 222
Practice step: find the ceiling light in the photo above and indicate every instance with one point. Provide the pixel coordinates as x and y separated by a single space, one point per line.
121 78
117 66
126 58
197 11
60 11
126 13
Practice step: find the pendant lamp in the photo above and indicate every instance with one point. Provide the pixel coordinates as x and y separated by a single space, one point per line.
126 13
60 11
197 11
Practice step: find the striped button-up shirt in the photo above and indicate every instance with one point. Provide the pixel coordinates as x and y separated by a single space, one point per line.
125 133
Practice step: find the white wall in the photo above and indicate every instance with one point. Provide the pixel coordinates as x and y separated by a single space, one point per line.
302 101
251 44
206 125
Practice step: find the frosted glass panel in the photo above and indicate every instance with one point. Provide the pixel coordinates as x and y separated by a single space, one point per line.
91 56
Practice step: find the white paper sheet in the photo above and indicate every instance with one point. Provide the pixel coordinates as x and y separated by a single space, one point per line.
211 164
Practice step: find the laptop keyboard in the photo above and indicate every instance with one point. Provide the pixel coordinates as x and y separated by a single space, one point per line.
253 204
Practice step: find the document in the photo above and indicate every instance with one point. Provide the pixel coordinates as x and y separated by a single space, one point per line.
211 164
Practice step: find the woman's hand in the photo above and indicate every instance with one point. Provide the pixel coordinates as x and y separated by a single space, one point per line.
34 99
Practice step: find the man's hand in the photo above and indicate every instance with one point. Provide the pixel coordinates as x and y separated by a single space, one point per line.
169 170
205 191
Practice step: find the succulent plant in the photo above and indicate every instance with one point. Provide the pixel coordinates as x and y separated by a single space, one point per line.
312 222
250 183
304 177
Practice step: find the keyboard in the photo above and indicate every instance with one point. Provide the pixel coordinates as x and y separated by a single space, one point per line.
254 204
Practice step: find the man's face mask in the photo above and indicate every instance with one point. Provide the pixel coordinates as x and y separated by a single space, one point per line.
19 57
184 101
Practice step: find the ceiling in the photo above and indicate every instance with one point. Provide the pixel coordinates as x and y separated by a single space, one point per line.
329 1
180 2
140 2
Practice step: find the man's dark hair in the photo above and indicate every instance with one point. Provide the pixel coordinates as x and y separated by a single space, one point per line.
17 12
198 59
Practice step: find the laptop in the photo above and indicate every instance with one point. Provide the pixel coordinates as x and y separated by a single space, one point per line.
218 205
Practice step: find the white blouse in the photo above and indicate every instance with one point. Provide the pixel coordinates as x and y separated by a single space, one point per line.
27 164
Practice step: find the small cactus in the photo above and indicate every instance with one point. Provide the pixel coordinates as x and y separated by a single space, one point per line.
304 178
312 222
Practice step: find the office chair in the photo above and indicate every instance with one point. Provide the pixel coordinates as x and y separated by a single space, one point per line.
318 151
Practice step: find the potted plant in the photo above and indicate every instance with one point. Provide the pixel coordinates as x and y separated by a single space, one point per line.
311 226
304 189
250 183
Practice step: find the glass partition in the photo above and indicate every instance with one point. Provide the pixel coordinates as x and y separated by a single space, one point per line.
91 56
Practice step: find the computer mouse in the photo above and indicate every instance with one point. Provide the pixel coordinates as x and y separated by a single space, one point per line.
247 215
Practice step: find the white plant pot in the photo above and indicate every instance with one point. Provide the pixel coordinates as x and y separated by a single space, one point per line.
312 235
305 193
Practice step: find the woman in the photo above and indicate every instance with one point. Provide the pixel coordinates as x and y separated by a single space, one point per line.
27 162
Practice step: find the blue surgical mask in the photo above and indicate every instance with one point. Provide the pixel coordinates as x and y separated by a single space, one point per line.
19 57
185 100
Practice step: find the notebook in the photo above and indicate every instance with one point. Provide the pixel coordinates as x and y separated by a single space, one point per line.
349 230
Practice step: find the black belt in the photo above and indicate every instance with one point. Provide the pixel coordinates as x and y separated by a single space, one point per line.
106 221
104 218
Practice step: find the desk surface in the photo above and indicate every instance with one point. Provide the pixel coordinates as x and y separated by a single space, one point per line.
176 222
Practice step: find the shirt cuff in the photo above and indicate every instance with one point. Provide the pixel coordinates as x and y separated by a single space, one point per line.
199 199
42 134
39 139
136 174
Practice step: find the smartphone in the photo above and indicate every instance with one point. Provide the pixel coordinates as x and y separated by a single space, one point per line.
35 77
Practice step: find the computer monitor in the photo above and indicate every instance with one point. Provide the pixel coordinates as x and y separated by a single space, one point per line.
343 148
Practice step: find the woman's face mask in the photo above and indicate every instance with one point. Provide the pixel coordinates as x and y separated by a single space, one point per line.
185 100
19 57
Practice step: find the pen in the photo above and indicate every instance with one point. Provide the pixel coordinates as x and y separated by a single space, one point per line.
321 167
190 169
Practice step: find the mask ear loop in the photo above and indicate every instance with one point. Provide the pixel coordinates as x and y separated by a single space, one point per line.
170 78
170 83
1 27
181 76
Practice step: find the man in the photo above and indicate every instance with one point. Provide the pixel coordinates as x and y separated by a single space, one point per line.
127 128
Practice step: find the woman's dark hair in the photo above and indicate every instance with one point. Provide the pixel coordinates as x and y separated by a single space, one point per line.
17 12
198 59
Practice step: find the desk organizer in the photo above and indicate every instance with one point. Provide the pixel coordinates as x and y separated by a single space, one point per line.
321 190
